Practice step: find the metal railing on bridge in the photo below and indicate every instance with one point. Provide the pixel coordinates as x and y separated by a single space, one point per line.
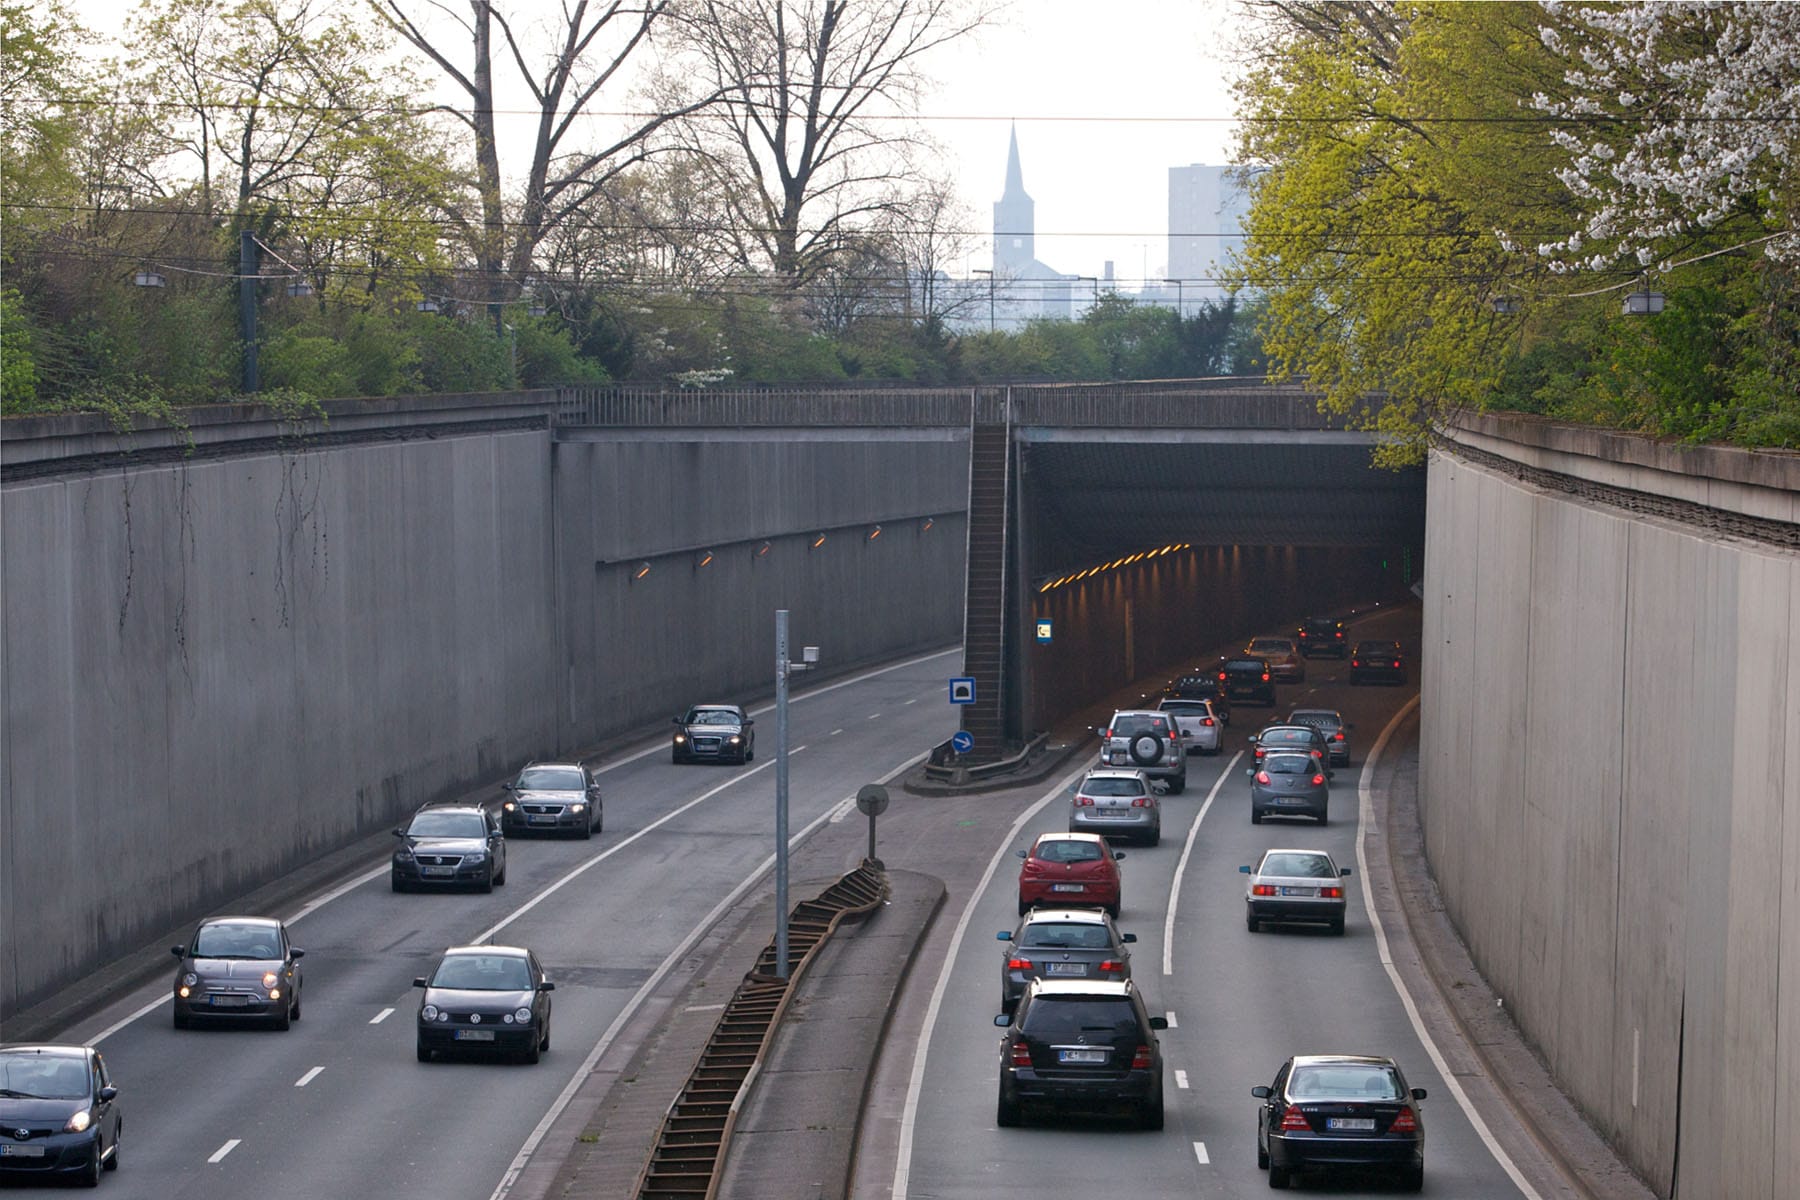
1225 403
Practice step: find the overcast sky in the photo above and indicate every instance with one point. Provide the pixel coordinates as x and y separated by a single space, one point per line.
1107 96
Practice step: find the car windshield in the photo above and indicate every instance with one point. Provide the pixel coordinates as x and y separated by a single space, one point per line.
712 716
1069 1018
1287 737
1113 787
236 941
551 779
1300 866
1289 764
1132 726
1043 935
1345 1081
483 973
1185 708
448 824
1271 646
28 1076
1061 851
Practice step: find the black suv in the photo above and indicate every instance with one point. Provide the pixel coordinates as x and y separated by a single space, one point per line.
1323 635
1082 1043
1248 679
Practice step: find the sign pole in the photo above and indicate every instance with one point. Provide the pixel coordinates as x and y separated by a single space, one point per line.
781 793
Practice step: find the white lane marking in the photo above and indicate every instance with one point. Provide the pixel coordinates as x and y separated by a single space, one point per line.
1187 851
1170 1018
309 1077
488 933
638 997
704 1008
381 1016
845 807
872 716
914 700
834 733
1181 1079
122 1022
1200 1153
910 1110
219 1154
1365 818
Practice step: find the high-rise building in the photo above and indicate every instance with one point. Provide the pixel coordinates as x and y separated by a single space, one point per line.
1206 213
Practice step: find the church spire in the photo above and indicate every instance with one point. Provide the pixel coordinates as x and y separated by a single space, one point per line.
1015 176
1014 220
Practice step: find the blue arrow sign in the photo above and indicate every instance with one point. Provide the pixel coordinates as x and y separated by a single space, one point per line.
962 741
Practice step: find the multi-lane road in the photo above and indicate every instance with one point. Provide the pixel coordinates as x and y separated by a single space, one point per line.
338 1106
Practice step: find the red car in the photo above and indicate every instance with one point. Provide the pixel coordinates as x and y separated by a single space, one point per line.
1070 870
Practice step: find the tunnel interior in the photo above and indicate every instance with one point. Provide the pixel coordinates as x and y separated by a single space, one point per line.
1147 550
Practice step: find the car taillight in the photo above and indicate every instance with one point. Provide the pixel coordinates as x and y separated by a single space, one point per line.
1221 677
1018 964
1265 677
1106 733
1293 1118
1021 1054
1405 1122
1396 662
1207 722
1332 893
1339 635
1031 868
1140 1059
1084 802
1262 777
1263 889
1338 736
1318 780
1356 662
1140 802
1110 965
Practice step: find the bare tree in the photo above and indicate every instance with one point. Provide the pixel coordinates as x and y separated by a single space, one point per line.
930 237
592 45
809 139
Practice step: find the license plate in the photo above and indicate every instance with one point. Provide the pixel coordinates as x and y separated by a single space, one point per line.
229 1001
1068 887
1352 1124
1083 1056
437 870
1299 891
1065 968
540 819
21 1152
474 1035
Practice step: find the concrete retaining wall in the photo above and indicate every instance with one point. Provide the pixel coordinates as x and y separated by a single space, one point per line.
1611 788
219 665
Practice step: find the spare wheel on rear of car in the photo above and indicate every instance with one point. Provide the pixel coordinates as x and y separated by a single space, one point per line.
1146 748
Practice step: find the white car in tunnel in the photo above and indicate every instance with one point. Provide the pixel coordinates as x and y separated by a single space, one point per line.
1202 732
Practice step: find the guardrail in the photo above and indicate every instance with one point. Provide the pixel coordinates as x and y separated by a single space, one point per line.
689 1151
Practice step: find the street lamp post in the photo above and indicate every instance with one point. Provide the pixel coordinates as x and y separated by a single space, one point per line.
1180 308
990 277
810 659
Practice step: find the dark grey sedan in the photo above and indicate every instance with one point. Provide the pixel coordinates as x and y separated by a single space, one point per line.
552 798
450 845
1061 943
713 733
1288 784
238 969
485 998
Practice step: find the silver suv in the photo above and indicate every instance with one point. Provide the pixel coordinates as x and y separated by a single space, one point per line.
1148 741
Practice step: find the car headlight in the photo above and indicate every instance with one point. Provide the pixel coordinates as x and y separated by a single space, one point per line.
428 1013
79 1122
523 1016
190 979
680 738
577 807
271 978
476 856
509 806
735 739
401 856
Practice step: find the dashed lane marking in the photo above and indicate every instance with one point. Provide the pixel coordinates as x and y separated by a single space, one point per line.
381 1016
309 1077
219 1154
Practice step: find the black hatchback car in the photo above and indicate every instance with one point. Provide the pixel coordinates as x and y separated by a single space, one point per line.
1248 679
1377 660
485 998
59 1114
1335 1112
1323 635
1203 685
1086 1044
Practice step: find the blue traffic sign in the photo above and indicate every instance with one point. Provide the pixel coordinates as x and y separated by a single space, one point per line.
962 689
962 741
1043 630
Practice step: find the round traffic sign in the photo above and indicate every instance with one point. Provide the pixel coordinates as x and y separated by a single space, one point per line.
962 741
872 799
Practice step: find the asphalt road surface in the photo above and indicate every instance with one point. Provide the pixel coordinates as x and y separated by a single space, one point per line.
339 1107
1238 1003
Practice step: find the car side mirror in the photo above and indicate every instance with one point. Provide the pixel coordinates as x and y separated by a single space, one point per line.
1244 870
399 832
1261 1092
420 982
1118 858
1418 1093
178 951
1252 739
1128 937
506 787
547 986
108 1094
1005 935
674 720
1159 1022
1020 853
1343 870
749 721
296 953
1003 1020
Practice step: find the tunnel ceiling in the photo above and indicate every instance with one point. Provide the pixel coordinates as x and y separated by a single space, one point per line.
1090 500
